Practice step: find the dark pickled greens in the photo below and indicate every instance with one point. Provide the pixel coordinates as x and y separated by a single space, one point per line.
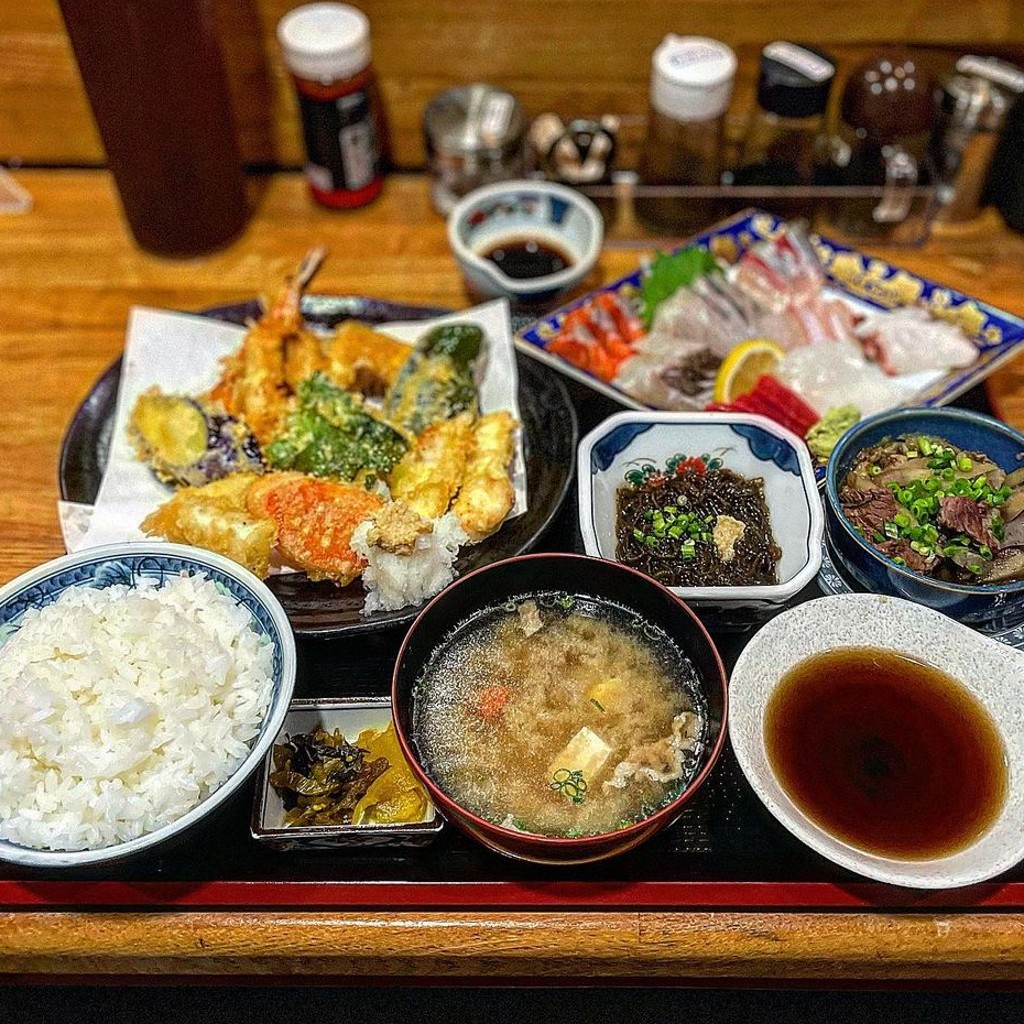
322 777
938 510
436 382
330 433
186 442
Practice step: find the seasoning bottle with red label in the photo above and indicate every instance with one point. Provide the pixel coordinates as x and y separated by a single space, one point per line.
326 47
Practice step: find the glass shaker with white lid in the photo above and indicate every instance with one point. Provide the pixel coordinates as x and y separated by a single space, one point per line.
691 85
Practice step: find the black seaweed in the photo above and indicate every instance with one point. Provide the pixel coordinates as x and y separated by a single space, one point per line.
708 495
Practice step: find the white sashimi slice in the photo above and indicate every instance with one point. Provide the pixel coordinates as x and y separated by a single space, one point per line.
838 374
911 339
648 376
687 316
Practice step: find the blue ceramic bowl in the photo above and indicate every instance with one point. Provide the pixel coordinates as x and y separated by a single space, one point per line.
991 607
128 564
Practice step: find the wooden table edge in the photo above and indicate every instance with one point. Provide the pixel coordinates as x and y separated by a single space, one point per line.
685 946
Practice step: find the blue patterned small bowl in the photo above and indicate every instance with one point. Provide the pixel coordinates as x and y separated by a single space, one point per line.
127 564
539 210
990 608
630 445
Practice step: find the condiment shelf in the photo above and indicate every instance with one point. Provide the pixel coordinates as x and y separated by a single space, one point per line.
855 215
724 852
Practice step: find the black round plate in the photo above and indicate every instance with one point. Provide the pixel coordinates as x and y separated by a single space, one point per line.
322 609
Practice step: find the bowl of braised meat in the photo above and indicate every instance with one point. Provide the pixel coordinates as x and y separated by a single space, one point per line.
928 504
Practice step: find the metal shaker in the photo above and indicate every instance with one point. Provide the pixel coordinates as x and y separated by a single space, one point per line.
475 135
973 103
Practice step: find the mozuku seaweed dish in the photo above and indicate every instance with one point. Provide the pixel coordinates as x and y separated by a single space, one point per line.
699 524
937 509
559 715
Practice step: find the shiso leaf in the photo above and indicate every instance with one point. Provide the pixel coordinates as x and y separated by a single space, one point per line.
670 272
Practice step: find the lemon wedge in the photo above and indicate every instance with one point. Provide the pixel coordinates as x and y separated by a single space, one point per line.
742 367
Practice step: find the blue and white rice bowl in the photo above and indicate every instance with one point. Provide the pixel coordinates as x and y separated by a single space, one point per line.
144 565
752 446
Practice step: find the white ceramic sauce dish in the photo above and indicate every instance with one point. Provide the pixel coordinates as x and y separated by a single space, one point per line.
543 211
991 672
750 445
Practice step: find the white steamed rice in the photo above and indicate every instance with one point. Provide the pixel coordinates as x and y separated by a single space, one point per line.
122 709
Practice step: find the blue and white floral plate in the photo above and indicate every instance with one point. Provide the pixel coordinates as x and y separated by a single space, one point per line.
862 280
632 446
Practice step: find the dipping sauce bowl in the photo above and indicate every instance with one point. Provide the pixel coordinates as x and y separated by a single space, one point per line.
537 216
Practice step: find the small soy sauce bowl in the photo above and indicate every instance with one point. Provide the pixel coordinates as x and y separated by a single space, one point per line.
541 214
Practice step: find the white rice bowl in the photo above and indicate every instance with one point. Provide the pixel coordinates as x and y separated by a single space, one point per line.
124 708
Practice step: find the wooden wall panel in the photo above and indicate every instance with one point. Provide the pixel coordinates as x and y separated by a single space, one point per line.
573 56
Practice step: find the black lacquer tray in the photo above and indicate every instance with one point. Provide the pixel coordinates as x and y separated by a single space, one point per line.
725 852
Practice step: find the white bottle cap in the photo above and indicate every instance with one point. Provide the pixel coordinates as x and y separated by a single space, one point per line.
691 78
325 42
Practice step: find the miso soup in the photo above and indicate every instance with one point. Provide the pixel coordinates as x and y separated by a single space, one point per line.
559 716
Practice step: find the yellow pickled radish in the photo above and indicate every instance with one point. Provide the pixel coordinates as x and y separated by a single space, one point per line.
406 806
389 789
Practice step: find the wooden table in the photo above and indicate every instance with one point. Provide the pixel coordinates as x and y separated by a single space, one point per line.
69 273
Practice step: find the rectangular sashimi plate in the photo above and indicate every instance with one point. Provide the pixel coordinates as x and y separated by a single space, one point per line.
838 334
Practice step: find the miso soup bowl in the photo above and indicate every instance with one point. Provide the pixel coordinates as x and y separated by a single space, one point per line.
585 577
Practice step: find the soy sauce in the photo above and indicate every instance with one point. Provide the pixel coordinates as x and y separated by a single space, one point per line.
527 257
885 753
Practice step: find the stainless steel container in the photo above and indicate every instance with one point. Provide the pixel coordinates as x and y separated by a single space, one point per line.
973 105
475 135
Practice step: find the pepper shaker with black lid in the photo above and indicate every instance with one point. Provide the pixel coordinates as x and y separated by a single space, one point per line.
784 131
973 104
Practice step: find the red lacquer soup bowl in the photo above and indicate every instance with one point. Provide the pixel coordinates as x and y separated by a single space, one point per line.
582 577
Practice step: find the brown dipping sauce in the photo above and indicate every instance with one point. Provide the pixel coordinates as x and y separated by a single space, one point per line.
885 753
523 258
